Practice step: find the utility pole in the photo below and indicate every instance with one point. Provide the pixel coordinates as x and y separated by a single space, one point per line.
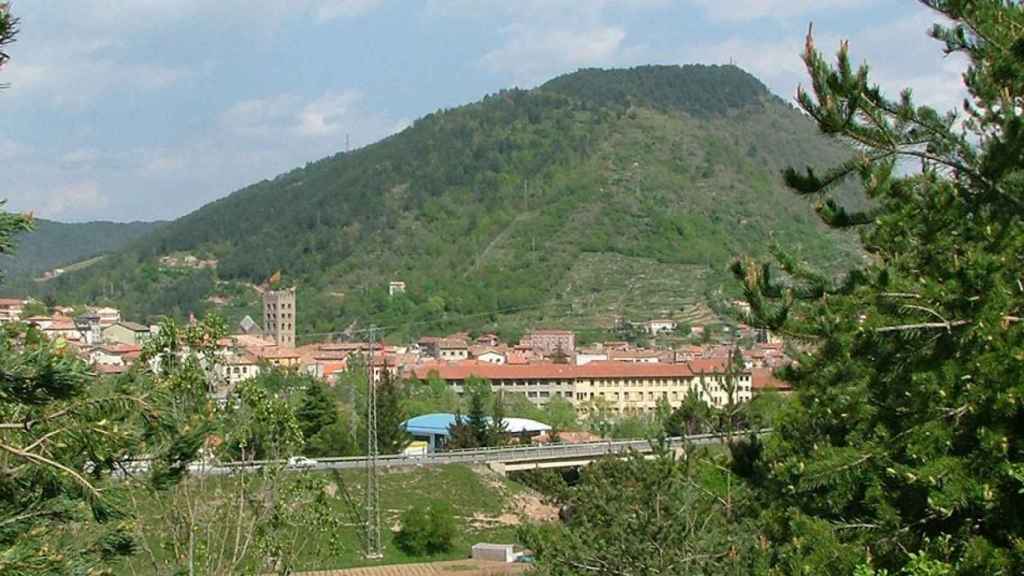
374 548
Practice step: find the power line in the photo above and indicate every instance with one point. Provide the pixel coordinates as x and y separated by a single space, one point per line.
374 549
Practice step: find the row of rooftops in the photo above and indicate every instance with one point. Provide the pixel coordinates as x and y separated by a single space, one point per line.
531 358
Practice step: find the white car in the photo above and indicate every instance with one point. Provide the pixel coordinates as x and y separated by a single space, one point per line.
301 462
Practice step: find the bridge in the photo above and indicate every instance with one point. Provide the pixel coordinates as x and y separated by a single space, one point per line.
502 459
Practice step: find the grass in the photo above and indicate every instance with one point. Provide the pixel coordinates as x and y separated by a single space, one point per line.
476 498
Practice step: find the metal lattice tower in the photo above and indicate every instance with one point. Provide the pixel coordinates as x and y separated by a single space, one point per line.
374 547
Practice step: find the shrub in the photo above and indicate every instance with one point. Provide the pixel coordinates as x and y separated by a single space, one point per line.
426 529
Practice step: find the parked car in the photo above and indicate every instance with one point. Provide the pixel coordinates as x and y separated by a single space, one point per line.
301 462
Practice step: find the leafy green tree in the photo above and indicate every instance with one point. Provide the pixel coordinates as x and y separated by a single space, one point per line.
62 436
259 520
648 517
426 529
559 413
259 425
692 416
905 438
334 439
432 396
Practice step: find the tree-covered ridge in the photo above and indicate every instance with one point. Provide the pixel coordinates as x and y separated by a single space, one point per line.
695 89
498 205
52 244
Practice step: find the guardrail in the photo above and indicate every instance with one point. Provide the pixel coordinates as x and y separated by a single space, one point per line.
507 454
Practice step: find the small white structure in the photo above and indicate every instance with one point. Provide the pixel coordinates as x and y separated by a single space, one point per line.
494 552
586 356
107 316
10 309
396 287
491 357
660 326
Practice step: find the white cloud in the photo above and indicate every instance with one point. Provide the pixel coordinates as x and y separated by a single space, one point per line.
900 55
80 157
74 74
331 113
530 55
542 38
76 198
326 114
88 48
10 149
326 10
745 10
260 116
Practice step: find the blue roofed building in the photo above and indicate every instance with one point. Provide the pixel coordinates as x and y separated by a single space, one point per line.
433 429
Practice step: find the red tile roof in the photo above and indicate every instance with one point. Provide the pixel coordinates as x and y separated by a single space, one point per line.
707 365
121 348
273 352
550 371
764 379
611 369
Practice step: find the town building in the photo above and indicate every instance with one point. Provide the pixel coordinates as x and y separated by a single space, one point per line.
277 356
764 380
624 388
587 355
548 342
487 354
11 309
107 316
452 349
238 368
660 326
115 354
434 429
125 332
636 356
279 316
687 353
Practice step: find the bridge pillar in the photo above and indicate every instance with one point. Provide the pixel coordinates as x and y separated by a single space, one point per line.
498 468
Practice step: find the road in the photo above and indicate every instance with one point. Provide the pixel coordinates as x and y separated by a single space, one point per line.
551 452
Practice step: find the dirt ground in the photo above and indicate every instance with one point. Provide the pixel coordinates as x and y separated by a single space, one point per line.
449 568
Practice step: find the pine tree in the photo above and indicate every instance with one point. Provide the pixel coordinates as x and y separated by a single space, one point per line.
477 413
460 434
906 439
392 437
497 428
318 410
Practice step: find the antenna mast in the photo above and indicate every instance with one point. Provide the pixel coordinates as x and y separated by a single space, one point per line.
374 549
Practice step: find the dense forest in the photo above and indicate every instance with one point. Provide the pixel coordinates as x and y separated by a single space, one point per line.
598 195
53 244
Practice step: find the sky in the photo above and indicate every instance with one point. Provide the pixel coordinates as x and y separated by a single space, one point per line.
148 109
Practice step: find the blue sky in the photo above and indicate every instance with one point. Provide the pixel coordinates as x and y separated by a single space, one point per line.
146 109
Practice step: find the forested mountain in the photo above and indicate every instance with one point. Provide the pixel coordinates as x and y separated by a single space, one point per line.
53 244
601 194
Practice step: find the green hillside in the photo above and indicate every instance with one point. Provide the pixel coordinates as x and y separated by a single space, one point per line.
597 195
58 244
